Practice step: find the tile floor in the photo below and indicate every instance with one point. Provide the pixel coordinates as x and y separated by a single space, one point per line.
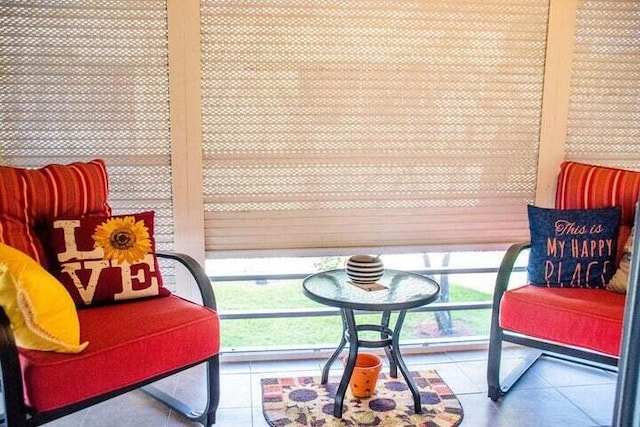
553 393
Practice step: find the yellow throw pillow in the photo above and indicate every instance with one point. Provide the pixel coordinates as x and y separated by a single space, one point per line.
43 316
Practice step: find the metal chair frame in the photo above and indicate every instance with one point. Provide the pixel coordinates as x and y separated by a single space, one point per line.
17 414
499 335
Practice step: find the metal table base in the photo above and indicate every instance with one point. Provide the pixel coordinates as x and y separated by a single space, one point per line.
389 340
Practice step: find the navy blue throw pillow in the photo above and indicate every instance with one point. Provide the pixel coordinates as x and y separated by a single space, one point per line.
572 248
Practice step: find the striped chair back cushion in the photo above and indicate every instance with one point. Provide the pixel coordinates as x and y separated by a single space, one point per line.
584 186
31 198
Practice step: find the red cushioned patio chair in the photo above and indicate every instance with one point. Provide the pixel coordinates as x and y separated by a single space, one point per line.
132 344
581 325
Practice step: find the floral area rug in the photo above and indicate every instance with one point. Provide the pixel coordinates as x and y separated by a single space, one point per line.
303 401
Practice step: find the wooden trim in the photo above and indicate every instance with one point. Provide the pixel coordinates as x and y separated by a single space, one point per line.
186 125
555 98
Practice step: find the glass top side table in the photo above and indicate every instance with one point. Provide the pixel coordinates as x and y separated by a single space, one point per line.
402 291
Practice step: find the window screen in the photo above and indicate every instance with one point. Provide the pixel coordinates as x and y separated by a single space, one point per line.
341 124
604 110
87 79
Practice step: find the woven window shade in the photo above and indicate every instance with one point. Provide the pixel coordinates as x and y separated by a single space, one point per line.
89 79
369 123
604 111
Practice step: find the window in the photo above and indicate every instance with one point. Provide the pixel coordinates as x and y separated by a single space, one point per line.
605 85
385 127
369 124
84 80
260 296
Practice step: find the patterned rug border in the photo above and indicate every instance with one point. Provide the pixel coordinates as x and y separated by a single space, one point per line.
303 401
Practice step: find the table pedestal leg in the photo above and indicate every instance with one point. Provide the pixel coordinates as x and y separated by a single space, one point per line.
417 405
390 341
352 333
393 367
334 356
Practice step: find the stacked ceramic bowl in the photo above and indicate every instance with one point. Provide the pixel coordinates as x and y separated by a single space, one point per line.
364 269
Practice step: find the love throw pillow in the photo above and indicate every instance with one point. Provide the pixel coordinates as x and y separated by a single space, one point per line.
107 259
574 248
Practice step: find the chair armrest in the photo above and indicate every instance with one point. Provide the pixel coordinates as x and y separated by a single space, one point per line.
505 271
198 274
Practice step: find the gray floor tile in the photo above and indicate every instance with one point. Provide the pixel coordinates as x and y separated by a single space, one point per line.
427 359
284 365
192 391
256 387
235 417
177 420
597 401
235 391
535 408
554 371
197 373
477 372
514 350
72 420
479 410
455 378
258 418
129 410
459 356
169 384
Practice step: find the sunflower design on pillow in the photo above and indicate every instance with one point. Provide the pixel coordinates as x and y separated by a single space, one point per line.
123 239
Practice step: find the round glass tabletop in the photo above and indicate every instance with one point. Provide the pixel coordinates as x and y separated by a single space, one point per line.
399 290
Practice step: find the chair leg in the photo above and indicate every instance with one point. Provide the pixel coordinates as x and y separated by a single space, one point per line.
496 388
213 368
208 416
493 364
11 390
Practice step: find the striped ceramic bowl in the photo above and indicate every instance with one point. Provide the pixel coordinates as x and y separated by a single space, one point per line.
364 268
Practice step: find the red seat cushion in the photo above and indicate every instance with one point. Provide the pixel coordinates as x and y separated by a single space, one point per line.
128 342
588 318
